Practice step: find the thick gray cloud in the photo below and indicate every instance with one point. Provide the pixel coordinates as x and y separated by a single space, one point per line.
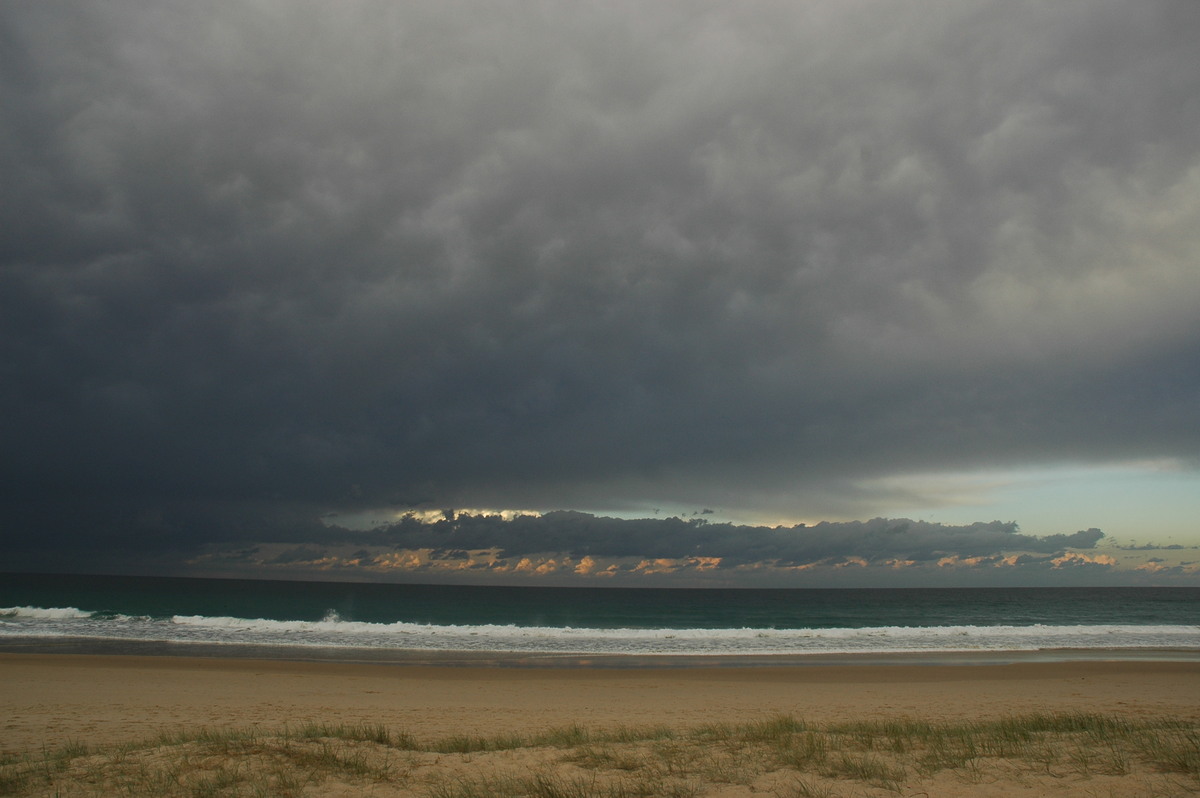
597 254
583 534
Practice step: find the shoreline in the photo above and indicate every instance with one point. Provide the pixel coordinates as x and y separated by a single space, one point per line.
515 659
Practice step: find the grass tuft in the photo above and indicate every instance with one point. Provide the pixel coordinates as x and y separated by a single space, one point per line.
868 769
803 751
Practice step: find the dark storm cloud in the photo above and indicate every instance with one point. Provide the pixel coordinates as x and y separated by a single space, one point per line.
594 254
583 534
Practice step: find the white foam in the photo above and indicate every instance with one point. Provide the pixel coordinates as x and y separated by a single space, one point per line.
46 613
333 631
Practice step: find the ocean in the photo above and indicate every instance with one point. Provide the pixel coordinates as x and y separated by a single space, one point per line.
358 619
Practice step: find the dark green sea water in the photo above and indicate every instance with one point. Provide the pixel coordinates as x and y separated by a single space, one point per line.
595 620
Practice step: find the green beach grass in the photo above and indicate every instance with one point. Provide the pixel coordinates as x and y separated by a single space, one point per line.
783 757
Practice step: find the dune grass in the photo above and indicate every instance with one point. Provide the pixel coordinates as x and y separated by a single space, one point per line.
782 756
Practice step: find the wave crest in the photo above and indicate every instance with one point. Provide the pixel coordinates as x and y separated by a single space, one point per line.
45 613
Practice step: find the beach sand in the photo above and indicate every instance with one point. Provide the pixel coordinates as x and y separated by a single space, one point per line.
48 700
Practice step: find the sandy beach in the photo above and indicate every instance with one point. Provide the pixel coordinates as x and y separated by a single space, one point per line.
49 700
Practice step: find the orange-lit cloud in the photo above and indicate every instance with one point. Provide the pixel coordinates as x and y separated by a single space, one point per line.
657 566
1074 559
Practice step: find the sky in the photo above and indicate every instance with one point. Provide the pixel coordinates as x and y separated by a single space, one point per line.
853 292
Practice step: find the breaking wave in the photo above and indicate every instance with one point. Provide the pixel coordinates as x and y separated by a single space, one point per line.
334 631
44 613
